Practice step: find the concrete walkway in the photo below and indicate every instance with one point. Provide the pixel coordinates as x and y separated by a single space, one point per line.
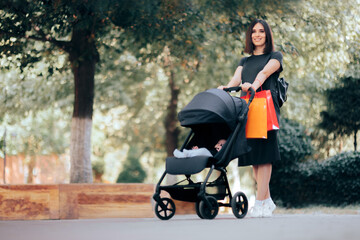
183 227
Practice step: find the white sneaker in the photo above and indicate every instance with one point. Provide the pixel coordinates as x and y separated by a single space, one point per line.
268 207
256 211
270 204
266 211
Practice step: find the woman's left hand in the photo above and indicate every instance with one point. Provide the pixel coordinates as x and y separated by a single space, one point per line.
245 86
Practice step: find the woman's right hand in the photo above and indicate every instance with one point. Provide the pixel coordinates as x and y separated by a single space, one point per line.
222 87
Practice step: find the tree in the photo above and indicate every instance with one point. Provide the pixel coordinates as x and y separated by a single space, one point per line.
75 28
72 27
315 38
342 116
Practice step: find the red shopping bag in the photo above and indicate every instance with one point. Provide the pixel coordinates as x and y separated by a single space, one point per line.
272 122
256 125
271 119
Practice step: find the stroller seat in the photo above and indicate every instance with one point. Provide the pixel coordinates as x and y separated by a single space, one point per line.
190 165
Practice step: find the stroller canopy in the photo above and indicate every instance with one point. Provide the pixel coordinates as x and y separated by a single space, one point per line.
211 106
212 115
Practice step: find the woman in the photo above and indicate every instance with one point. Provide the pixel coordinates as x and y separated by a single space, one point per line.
260 71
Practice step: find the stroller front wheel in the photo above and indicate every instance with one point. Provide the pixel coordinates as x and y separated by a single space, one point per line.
209 212
239 204
166 209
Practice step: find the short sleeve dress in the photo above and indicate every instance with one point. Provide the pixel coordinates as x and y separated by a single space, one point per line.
263 151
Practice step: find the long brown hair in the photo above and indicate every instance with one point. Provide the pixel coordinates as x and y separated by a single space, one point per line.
269 43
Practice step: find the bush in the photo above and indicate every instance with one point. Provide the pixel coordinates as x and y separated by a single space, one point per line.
295 147
297 181
132 171
294 143
98 167
335 181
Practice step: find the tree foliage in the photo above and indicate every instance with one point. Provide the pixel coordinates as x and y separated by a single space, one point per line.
342 116
318 38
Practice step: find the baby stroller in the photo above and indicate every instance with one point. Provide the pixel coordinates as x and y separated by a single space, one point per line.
211 115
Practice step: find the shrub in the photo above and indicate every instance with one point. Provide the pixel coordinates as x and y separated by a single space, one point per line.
297 181
294 143
133 171
335 181
98 167
295 146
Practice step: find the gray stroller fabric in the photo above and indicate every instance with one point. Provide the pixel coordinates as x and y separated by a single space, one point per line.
191 165
211 106
212 115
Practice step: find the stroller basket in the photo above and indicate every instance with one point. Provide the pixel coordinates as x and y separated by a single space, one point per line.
216 190
189 193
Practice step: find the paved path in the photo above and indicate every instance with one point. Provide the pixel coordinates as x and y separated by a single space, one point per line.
187 227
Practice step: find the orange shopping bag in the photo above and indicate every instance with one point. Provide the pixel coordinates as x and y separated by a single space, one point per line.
256 125
272 122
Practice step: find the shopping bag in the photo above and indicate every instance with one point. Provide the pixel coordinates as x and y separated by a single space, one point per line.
272 122
256 125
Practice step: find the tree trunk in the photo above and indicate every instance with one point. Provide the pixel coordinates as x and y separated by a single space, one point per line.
83 58
31 165
4 151
172 131
355 140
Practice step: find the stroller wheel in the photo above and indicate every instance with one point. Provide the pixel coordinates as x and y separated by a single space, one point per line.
205 211
197 209
239 204
167 211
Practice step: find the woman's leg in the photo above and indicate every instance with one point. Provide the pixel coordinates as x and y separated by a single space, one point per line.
255 170
262 176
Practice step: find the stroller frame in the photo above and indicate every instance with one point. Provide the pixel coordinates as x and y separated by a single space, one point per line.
206 203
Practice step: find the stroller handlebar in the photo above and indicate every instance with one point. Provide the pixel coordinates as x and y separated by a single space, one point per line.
252 94
232 89
237 89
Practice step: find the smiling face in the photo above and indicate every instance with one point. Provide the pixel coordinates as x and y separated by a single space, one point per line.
259 39
258 36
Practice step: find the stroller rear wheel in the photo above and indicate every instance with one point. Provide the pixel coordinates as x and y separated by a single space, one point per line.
239 204
209 212
166 211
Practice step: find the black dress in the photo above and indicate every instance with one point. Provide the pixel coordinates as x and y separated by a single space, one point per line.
262 150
